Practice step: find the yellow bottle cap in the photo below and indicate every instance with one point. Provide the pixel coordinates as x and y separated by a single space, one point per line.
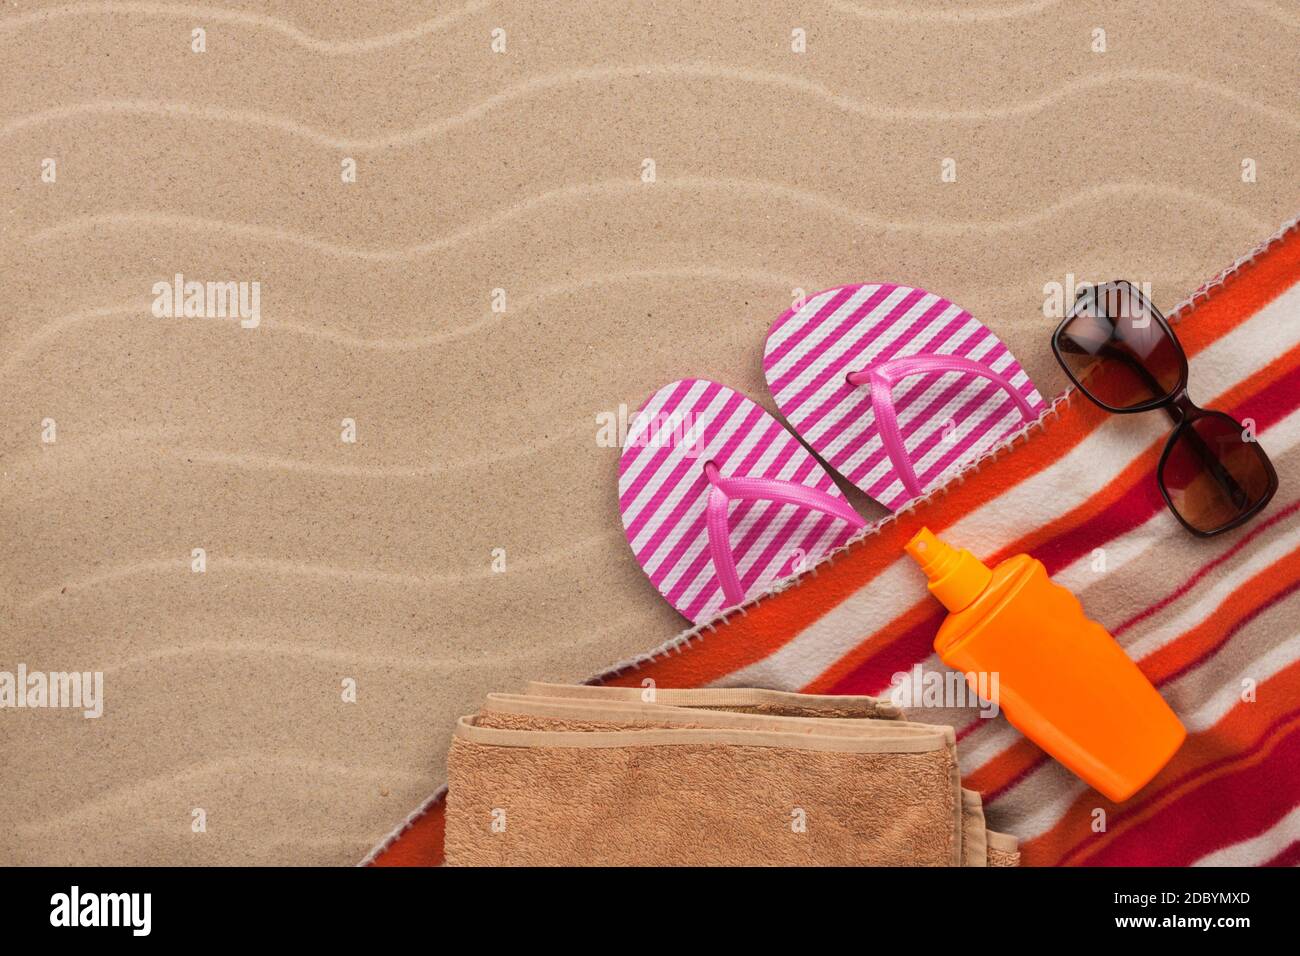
956 576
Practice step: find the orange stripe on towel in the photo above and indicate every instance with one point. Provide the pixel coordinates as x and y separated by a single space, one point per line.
1237 299
1261 591
420 844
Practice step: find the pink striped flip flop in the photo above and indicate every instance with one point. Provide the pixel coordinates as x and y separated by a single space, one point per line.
695 449
894 387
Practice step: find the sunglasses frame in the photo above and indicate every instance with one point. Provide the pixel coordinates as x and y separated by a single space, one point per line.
1179 406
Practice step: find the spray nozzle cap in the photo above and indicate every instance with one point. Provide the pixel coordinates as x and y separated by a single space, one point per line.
956 576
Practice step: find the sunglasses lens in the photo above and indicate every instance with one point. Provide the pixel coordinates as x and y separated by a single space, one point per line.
1118 350
1213 474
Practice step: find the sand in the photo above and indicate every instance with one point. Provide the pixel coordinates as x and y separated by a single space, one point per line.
226 735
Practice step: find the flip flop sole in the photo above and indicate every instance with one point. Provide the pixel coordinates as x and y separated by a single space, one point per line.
946 419
663 492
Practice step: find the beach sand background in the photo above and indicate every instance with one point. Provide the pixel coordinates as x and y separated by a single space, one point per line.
372 562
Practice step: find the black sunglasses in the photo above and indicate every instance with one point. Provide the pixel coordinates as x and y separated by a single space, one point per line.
1121 353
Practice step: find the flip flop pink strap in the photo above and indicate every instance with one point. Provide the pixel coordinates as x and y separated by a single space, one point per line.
727 490
883 377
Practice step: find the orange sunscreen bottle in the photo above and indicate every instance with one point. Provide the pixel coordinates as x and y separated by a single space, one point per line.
1062 679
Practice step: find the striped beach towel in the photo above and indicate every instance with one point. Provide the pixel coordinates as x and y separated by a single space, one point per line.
1215 623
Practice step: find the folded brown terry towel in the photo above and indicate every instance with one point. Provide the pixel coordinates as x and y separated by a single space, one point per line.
621 776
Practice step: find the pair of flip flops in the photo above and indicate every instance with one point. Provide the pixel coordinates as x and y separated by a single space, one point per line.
893 387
